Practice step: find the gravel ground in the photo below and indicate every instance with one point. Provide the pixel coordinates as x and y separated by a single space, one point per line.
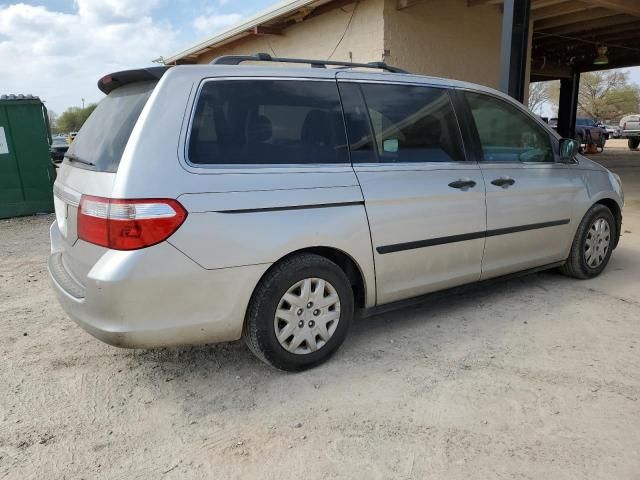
537 377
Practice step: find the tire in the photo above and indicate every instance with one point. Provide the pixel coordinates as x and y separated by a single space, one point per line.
633 143
577 264
268 298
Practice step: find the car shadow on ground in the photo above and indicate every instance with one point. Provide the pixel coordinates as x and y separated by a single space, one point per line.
447 304
437 309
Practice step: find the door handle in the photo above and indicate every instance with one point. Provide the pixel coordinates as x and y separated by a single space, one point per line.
463 184
504 182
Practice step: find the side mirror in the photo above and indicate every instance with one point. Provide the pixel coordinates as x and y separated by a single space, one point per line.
569 148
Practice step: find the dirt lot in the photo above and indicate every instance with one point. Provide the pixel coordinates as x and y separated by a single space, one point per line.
537 377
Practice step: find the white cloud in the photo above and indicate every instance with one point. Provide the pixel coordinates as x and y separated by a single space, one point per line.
210 24
110 10
60 56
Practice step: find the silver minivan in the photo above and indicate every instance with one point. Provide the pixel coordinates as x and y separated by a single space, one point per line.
206 203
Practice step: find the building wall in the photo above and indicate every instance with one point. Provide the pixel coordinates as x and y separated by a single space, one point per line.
432 37
318 36
445 38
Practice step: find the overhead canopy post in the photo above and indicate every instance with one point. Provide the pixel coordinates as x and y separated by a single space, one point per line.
513 55
568 105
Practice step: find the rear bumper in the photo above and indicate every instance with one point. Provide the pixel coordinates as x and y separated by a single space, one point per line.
630 134
154 297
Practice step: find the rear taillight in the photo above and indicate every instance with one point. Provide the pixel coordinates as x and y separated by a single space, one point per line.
128 224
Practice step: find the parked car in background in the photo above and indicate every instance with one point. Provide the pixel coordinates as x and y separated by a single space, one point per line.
589 133
630 126
58 148
610 131
208 203
71 136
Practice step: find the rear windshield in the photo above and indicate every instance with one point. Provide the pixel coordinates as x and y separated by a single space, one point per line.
105 134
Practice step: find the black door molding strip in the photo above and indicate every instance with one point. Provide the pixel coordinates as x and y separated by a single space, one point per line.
292 207
401 247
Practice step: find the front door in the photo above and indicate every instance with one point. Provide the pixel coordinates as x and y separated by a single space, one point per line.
529 194
424 200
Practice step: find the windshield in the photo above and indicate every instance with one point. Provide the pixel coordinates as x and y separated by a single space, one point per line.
103 138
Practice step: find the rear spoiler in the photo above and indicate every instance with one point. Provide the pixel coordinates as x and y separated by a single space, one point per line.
109 83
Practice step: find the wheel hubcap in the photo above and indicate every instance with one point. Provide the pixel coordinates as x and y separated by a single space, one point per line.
307 316
597 243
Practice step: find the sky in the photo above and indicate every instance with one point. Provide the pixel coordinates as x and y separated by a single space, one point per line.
58 49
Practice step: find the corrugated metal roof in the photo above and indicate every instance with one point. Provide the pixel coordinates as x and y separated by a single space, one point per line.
276 12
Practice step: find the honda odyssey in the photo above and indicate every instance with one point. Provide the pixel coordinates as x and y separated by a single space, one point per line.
206 203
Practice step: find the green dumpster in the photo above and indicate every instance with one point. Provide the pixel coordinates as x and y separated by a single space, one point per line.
26 171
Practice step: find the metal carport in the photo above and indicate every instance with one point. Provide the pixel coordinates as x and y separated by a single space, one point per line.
565 38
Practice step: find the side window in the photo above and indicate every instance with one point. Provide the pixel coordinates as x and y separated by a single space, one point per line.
413 124
361 143
507 134
267 122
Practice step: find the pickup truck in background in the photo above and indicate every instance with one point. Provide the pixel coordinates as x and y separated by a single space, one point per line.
610 131
630 126
589 133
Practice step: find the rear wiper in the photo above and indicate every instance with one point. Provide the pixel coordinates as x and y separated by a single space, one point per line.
74 158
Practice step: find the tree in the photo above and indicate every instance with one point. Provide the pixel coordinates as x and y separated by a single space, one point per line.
539 95
607 95
73 118
53 117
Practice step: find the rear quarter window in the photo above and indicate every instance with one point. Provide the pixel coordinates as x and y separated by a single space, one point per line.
104 136
267 122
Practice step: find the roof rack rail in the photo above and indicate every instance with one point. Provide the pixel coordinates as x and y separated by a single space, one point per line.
265 57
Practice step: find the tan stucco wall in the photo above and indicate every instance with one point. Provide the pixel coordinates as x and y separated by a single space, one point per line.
431 37
445 38
318 36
